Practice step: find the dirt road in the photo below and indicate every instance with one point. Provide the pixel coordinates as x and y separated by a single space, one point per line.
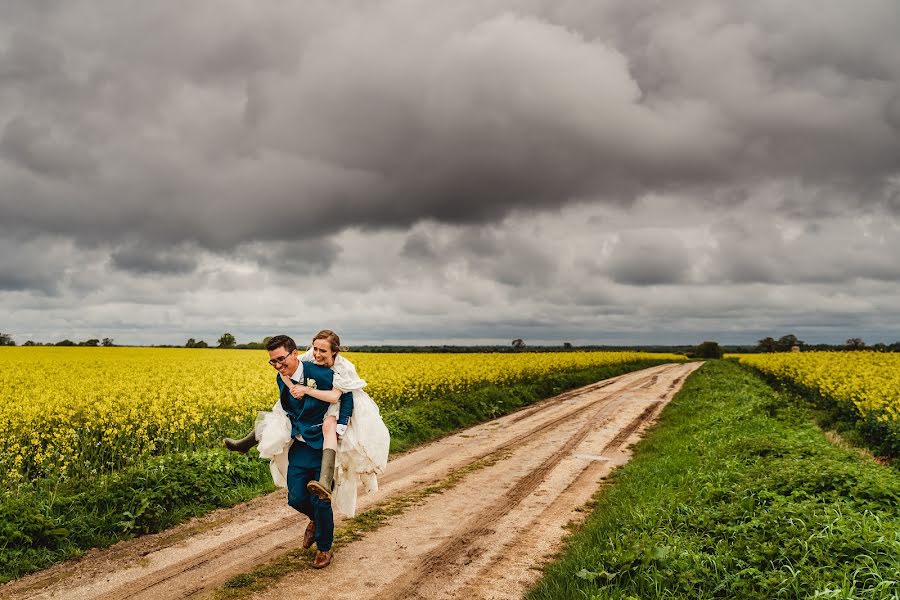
515 484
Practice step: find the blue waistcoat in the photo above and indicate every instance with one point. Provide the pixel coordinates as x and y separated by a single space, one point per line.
307 413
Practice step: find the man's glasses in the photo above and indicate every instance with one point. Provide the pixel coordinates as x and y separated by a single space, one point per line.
279 360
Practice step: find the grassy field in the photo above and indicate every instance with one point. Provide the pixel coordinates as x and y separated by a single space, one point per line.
736 494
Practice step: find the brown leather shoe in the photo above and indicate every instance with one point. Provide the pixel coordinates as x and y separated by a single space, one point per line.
322 559
309 536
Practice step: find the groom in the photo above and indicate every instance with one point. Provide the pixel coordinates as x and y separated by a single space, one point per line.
305 455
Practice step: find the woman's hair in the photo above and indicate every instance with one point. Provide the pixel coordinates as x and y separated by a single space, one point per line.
331 337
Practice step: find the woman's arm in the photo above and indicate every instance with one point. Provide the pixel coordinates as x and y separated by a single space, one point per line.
330 396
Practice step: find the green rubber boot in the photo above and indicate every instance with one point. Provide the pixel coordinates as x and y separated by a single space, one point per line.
322 487
242 445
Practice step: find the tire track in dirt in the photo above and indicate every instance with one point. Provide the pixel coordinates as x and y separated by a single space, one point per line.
499 576
440 562
196 571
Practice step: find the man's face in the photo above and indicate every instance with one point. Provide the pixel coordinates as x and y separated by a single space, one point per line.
285 362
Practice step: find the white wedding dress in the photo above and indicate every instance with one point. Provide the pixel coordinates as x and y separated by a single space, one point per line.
362 451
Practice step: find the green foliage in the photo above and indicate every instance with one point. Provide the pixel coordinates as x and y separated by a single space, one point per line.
736 494
6 340
45 522
855 344
783 344
227 341
708 350
880 436
251 346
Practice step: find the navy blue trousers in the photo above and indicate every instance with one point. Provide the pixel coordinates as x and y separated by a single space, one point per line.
301 471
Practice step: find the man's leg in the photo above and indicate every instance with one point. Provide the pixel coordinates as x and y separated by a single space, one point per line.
324 524
300 472
324 532
298 498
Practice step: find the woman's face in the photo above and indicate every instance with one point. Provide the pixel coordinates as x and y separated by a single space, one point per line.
322 353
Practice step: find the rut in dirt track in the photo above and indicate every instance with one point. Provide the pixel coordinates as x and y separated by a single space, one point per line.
547 459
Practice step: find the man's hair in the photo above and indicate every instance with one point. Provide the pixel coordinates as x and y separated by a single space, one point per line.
281 340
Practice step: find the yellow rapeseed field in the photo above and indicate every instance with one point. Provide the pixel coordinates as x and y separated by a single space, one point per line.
870 381
81 411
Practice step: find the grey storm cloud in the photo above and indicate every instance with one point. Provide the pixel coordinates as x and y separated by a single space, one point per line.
649 258
831 251
505 256
32 147
302 257
248 122
142 258
35 264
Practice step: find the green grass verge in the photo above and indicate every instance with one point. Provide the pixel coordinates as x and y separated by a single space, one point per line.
880 436
736 494
45 522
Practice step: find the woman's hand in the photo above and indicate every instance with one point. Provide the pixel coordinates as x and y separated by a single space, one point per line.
298 391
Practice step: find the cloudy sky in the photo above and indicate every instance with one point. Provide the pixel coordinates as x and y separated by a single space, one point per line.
590 171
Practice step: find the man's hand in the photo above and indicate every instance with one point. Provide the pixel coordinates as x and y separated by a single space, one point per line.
298 391
341 430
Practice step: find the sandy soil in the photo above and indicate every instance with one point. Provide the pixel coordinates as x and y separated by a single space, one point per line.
485 537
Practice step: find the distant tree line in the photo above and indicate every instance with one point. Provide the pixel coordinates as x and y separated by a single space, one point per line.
228 341
7 340
787 343
707 349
